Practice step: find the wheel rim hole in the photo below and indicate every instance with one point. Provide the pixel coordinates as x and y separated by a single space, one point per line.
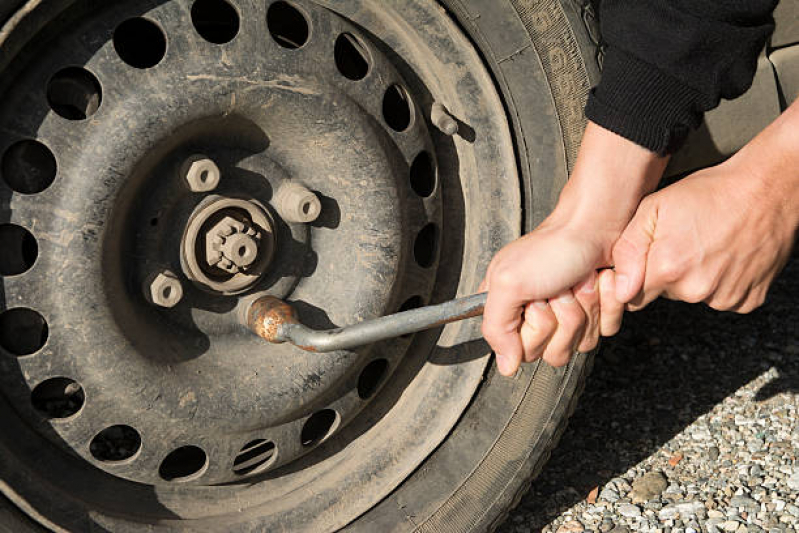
29 167
217 21
318 427
255 456
18 250
184 464
397 108
74 93
423 175
22 331
167 292
140 43
426 245
371 378
58 398
352 57
115 443
287 25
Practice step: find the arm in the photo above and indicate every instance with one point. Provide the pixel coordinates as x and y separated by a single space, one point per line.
721 235
667 62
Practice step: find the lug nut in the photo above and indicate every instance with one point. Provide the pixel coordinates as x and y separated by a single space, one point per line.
295 203
163 289
442 120
201 173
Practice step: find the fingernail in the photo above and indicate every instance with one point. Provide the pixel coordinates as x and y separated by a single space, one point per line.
541 304
622 285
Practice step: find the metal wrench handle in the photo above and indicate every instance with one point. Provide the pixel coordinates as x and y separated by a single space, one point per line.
276 321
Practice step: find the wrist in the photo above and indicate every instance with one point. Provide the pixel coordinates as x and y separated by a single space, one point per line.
610 177
771 162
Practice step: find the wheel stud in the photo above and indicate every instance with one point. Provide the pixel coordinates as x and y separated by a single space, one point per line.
201 173
296 203
442 120
163 289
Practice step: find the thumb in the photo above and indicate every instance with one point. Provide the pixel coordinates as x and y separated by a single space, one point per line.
630 251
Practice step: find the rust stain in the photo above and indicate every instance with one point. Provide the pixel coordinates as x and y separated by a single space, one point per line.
477 311
308 348
267 315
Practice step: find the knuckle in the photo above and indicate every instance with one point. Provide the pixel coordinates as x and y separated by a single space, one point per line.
696 291
669 268
505 278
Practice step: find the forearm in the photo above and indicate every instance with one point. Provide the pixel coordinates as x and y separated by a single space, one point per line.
772 161
610 177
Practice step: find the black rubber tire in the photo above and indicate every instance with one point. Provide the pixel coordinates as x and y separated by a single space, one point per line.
544 57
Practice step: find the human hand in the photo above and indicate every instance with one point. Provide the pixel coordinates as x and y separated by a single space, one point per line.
542 289
719 236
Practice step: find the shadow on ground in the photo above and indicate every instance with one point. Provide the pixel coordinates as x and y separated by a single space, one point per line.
670 364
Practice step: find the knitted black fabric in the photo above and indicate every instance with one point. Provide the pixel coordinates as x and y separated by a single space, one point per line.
669 61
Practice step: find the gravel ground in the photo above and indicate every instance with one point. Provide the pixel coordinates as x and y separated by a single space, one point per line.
689 423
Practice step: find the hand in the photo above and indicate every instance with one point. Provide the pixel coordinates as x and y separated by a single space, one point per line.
542 289
719 236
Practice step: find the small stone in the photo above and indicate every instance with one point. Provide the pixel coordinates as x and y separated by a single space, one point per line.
713 453
572 526
592 496
714 513
792 510
629 510
669 512
648 487
675 459
620 529
609 495
690 508
793 481
745 502
730 526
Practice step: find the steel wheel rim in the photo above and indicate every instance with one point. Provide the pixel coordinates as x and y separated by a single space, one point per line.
451 335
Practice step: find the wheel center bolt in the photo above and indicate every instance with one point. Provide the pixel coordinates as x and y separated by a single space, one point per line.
232 245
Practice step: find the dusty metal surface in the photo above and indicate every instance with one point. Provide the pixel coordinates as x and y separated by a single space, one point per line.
185 378
275 321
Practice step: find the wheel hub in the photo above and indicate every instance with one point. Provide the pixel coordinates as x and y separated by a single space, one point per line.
228 244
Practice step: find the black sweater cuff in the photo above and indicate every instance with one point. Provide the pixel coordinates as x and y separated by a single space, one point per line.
643 104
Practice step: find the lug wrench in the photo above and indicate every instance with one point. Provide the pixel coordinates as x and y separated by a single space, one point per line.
275 321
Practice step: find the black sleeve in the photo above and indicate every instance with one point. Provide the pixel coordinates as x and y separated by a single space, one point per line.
669 61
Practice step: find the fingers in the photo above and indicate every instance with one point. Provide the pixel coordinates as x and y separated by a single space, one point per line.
611 309
571 327
502 321
587 294
630 251
539 326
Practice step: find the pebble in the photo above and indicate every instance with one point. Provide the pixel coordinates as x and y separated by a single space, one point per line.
649 486
609 495
629 510
572 526
793 481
